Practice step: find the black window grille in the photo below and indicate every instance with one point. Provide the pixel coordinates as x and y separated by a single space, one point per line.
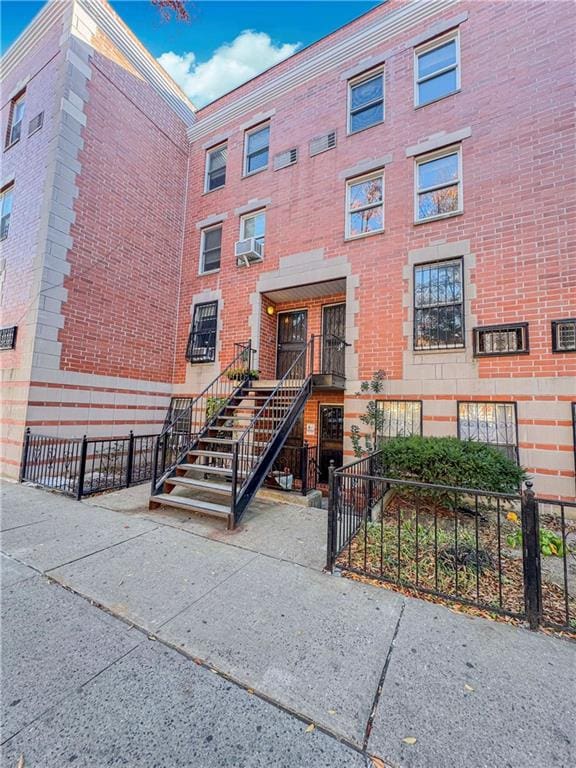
438 306
257 146
501 340
564 335
399 418
202 339
490 423
211 249
36 123
366 102
8 337
216 167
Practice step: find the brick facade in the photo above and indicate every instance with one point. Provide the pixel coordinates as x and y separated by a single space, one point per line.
513 120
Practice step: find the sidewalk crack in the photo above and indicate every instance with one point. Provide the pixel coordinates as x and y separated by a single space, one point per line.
381 681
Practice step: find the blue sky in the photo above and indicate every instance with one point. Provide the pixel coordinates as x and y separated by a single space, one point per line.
225 43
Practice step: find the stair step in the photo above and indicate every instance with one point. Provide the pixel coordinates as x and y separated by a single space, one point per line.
207 485
196 505
206 469
217 440
216 454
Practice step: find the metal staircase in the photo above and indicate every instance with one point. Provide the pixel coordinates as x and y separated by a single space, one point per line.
216 452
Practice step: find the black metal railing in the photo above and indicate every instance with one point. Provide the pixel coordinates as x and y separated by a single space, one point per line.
189 423
82 466
259 444
504 553
295 469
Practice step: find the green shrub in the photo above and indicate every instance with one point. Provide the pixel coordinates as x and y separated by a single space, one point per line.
239 374
450 461
213 405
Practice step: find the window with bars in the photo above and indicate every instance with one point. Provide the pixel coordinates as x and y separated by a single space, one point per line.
438 306
490 423
5 210
17 107
399 418
365 205
564 335
437 70
365 101
8 337
438 185
211 249
216 167
257 150
501 340
202 339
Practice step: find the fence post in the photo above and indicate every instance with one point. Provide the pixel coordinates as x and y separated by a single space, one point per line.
25 447
82 470
531 556
130 461
331 517
304 468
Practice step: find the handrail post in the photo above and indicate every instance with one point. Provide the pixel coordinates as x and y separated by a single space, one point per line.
531 557
155 464
24 461
130 460
331 518
82 470
232 523
311 355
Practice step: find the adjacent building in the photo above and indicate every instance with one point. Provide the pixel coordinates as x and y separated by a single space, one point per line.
403 191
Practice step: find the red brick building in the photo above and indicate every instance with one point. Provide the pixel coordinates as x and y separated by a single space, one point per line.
403 190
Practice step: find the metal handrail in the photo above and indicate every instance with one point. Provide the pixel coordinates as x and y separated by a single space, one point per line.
179 445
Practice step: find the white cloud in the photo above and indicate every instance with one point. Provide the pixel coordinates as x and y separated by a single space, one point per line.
232 64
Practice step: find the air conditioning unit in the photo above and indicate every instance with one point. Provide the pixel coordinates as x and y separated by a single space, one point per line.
248 252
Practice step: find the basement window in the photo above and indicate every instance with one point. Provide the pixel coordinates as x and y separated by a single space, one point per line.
399 418
490 423
202 340
501 340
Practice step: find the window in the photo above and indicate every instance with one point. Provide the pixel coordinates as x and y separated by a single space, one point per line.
5 211
365 101
438 305
15 120
211 249
257 146
438 185
501 340
490 423
399 418
8 337
216 168
365 205
202 340
253 225
437 70
564 335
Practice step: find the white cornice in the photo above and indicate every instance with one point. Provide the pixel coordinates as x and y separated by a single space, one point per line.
102 15
310 64
44 20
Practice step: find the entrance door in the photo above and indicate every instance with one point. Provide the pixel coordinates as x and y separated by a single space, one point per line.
292 328
333 343
331 435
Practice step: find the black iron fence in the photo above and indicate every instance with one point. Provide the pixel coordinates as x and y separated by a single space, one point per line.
82 466
295 469
513 554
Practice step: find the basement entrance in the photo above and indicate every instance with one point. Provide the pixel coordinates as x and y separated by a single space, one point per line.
331 437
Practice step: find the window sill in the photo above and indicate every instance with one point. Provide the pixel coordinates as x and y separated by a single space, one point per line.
440 217
9 146
438 351
254 173
482 355
209 272
435 101
367 128
210 191
351 238
201 362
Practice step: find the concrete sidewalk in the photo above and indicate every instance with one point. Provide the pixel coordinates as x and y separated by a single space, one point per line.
369 667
